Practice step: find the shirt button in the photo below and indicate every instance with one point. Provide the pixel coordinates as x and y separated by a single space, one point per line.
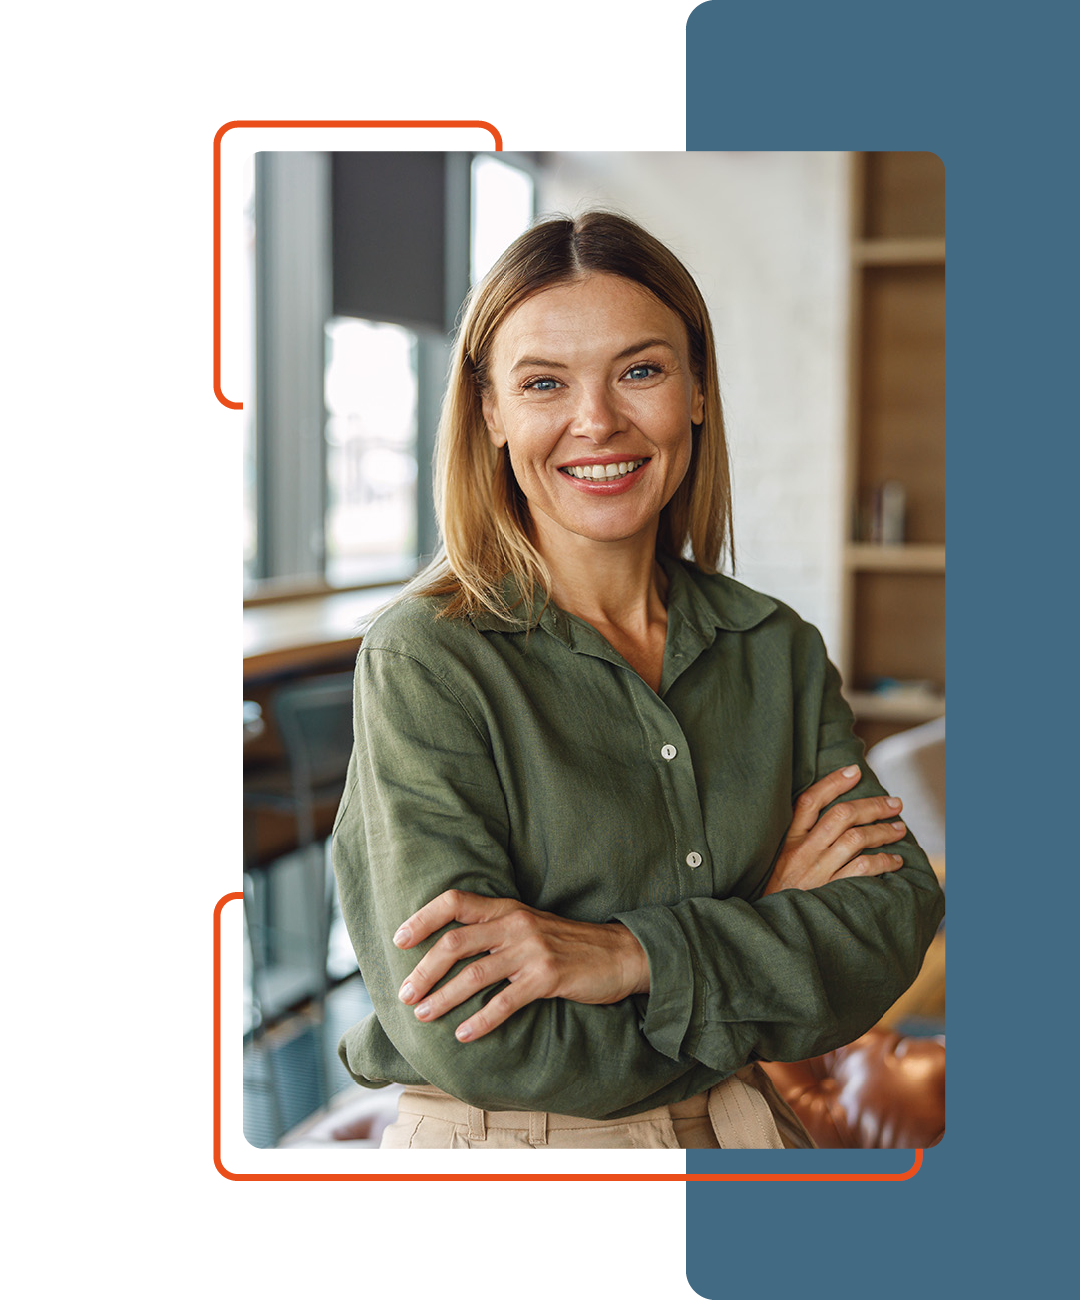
693 860
669 752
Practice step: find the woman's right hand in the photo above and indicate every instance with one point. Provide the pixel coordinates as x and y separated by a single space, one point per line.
820 847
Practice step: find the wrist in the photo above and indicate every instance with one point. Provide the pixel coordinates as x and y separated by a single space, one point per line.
633 960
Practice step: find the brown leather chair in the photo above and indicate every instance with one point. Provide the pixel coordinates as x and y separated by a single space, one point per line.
882 1090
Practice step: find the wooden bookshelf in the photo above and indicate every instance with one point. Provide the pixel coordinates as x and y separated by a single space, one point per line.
894 595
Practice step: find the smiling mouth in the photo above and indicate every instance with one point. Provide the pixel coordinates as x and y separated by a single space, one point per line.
603 473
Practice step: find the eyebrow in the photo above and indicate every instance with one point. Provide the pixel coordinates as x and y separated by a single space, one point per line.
619 356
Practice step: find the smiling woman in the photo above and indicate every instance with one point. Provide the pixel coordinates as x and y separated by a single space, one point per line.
607 839
599 437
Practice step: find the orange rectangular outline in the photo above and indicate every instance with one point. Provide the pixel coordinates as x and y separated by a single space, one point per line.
404 1178
490 1178
315 123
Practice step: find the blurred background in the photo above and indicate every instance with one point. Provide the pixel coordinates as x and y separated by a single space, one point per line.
825 278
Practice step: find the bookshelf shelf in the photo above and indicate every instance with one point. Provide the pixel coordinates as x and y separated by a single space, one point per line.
913 557
907 707
898 252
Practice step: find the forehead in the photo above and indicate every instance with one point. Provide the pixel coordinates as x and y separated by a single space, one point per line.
591 315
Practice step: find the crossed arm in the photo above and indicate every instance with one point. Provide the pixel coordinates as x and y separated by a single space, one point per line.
542 955
652 1006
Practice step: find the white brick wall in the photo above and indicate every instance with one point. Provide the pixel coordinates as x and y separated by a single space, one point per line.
765 235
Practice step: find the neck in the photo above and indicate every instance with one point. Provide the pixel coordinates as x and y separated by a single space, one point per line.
608 584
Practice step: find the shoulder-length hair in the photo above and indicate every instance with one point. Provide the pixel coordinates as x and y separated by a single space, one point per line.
482 513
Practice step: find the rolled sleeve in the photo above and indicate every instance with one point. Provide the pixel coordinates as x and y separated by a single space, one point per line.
669 1005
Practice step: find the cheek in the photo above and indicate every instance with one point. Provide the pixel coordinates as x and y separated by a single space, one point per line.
668 424
682 460
680 445
530 435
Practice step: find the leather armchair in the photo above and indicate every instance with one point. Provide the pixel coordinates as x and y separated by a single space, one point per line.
882 1090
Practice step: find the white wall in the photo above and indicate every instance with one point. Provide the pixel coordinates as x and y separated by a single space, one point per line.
765 235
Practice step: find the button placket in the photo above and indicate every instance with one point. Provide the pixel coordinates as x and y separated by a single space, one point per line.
677 781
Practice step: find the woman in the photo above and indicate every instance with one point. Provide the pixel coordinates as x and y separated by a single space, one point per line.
581 902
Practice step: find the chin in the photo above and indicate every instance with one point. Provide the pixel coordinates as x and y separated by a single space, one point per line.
615 532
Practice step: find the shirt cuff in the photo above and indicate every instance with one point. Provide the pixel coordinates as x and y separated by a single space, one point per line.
670 1002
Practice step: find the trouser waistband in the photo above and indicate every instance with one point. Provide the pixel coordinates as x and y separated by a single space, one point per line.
739 1114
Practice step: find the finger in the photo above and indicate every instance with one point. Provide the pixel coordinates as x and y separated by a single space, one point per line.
870 864
453 905
454 946
500 1008
809 804
877 808
851 812
856 840
478 975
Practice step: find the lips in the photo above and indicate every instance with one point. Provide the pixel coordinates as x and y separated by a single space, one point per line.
603 471
606 477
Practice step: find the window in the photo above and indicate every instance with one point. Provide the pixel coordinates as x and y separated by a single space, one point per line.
371 403
502 207
361 262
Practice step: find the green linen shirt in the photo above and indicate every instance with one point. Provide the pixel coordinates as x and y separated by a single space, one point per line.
529 760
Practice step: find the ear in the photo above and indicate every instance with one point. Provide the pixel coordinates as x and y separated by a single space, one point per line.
491 419
697 404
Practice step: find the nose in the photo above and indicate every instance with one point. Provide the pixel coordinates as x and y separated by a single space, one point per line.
596 415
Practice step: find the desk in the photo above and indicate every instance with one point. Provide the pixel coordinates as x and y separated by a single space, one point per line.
308 631
301 636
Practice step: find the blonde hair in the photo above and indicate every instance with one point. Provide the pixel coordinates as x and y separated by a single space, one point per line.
482 513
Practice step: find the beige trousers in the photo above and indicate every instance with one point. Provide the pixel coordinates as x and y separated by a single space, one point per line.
743 1112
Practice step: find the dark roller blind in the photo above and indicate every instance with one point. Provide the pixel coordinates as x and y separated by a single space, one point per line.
389 232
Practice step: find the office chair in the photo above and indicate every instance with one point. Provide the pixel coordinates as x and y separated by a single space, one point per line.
314 721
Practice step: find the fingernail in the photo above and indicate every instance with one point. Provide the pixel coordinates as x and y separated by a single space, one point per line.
402 936
898 826
423 1011
894 803
850 771
463 1033
407 994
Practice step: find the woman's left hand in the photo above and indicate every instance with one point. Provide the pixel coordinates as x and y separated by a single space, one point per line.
542 955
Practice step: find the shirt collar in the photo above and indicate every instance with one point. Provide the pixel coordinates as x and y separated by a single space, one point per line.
707 601
704 601
523 614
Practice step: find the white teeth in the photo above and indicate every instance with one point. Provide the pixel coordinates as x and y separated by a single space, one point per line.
603 473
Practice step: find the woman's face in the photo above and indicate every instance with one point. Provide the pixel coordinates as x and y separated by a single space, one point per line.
590 391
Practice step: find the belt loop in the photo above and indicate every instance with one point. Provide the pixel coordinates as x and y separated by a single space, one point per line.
740 1116
538 1128
477 1126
